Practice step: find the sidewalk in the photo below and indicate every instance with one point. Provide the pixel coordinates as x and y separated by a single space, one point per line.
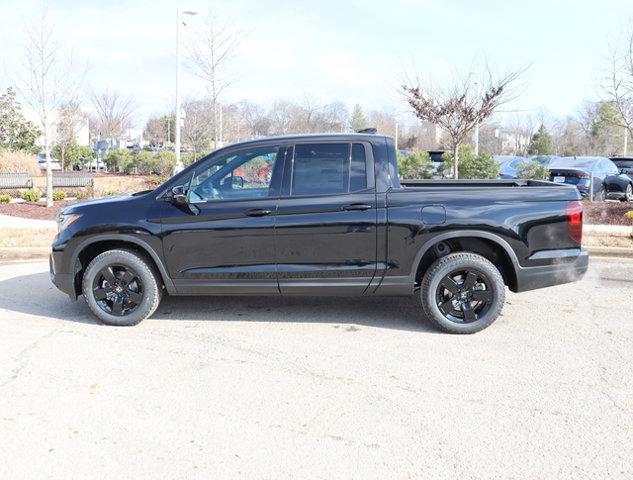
7 221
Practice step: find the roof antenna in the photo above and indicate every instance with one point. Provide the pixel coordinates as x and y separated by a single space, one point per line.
370 131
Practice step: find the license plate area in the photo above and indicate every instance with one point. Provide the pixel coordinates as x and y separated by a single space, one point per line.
559 179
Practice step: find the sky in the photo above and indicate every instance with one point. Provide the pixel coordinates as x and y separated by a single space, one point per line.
354 51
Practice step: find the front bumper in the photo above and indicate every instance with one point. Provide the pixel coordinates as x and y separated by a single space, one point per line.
63 281
566 266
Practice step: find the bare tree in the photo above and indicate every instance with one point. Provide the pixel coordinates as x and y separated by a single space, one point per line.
114 113
47 83
68 119
458 105
211 56
195 129
618 82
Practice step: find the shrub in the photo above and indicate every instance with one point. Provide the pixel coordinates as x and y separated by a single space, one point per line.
32 195
417 165
472 166
120 160
18 162
59 195
532 170
164 162
144 162
111 193
5 198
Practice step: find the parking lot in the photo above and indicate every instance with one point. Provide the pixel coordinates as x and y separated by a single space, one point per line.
317 388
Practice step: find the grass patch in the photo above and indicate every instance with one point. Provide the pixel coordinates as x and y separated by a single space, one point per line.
27 237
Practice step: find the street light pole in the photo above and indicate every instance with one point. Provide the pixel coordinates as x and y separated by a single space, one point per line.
179 166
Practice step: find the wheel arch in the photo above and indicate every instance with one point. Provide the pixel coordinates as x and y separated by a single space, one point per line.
487 244
93 246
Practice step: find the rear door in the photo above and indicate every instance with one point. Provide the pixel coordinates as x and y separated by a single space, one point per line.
325 232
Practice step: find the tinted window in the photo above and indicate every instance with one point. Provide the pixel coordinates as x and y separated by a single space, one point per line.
626 165
328 168
358 169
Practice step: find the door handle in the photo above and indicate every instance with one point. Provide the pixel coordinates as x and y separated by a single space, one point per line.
356 207
257 212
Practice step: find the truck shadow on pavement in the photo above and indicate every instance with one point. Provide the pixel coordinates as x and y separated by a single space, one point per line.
35 295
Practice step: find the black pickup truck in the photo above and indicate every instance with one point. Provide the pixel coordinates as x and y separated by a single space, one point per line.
320 215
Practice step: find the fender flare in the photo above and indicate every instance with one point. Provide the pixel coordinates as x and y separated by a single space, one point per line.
463 234
169 284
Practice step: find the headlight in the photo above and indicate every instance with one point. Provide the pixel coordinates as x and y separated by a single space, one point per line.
65 219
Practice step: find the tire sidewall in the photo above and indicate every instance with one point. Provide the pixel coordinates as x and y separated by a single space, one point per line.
147 277
448 264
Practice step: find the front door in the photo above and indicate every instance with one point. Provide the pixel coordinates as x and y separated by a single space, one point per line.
325 232
222 242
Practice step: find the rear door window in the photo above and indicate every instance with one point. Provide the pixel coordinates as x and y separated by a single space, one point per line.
328 169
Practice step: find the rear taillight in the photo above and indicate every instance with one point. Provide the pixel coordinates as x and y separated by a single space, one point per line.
574 220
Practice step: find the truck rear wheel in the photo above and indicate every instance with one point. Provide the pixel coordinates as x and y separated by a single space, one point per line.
462 293
121 288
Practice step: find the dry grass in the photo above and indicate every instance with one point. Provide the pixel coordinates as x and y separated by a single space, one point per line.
27 237
18 162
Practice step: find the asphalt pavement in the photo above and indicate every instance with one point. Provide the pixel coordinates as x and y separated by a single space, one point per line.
310 388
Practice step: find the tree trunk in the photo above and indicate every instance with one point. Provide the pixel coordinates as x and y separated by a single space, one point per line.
456 161
49 169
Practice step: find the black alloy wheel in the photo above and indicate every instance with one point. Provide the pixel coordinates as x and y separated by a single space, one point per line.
462 292
463 296
117 289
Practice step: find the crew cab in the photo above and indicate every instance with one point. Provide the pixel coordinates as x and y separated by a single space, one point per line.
320 215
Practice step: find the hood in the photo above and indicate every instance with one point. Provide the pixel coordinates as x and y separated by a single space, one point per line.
112 201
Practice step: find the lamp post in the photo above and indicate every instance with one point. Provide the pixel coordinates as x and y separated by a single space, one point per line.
179 165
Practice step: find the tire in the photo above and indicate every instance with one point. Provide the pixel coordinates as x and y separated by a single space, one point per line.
601 196
441 299
121 288
628 194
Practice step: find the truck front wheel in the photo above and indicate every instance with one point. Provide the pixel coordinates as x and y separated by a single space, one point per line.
121 288
462 293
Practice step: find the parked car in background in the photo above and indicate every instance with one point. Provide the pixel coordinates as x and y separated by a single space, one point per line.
509 165
624 164
608 182
437 159
41 162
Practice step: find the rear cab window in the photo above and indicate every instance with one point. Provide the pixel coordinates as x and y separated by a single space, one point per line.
328 169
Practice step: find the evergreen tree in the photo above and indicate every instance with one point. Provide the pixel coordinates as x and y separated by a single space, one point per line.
359 121
541 142
16 133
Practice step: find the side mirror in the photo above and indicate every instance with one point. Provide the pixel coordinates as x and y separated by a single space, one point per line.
179 194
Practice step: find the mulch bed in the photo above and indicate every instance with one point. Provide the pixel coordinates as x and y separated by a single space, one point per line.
35 210
607 213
